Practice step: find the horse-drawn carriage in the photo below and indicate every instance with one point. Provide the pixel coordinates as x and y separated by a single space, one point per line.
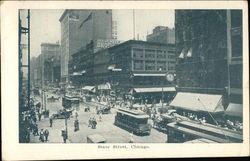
53 99
104 110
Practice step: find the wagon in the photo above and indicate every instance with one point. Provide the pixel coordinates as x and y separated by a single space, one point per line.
96 138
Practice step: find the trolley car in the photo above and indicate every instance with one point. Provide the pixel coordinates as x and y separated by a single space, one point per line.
133 121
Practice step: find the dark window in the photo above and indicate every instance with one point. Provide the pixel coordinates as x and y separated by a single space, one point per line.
149 54
236 18
138 65
161 54
150 65
161 65
137 53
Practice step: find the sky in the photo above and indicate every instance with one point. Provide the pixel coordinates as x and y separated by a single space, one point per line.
45 25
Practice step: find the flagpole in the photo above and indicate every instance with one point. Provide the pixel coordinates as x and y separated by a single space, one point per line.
93 28
134 23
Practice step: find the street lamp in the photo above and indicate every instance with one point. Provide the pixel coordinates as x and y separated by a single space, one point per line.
52 72
66 115
162 90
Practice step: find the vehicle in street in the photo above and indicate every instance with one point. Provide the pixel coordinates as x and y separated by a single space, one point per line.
185 130
96 138
104 110
132 120
62 114
160 123
70 102
36 91
53 99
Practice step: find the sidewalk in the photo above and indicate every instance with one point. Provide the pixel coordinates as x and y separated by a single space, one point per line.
54 131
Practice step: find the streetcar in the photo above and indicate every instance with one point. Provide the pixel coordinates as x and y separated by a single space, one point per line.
70 102
186 130
133 121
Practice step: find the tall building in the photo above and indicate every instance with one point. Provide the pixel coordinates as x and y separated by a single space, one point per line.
138 67
209 53
162 34
78 29
114 29
50 58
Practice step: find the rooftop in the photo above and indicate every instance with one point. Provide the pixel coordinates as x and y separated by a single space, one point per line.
63 15
50 44
140 42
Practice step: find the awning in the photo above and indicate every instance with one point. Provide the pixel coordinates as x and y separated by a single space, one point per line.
116 69
110 67
79 73
84 71
157 89
150 75
234 110
198 102
104 86
88 88
76 73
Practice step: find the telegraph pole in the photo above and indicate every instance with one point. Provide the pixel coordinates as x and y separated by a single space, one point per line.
229 49
23 97
28 17
134 23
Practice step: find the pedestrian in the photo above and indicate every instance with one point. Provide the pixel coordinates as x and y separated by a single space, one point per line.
90 122
46 134
100 116
39 116
64 135
204 120
94 123
76 114
131 137
34 118
51 121
27 136
35 131
76 125
41 138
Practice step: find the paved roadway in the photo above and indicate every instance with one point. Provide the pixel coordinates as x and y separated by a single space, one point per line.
105 127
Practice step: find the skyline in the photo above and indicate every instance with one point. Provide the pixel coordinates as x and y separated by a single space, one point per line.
46 28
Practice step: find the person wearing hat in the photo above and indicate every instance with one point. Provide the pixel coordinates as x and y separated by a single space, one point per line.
46 134
131 137
41 135
64 135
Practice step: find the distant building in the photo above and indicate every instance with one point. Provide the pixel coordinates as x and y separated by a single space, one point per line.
209 53
78 29
132 66
34 65
114 29
162 34
50 63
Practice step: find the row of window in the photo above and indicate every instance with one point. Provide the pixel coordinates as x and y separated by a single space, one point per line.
152 65
138 53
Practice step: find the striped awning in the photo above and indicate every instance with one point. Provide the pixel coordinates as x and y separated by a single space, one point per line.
149 74
198 102
156 89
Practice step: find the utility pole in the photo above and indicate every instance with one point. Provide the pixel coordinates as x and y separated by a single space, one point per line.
24 97
134 24
28 17
229 49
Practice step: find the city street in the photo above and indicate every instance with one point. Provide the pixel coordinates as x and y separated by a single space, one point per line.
105 127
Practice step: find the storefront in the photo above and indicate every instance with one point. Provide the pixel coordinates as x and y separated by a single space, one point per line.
153 95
